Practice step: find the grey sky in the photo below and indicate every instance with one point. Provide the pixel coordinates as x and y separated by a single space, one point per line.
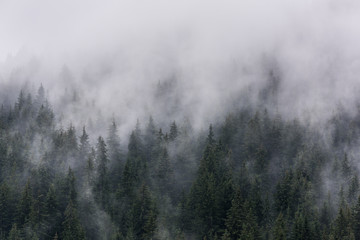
120 49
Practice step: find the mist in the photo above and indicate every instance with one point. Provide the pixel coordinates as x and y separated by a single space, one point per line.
117 52
277 80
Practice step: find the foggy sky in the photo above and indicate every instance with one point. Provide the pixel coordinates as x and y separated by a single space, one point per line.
116 52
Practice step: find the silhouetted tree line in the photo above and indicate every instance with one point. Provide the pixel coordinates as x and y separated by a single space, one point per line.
252 176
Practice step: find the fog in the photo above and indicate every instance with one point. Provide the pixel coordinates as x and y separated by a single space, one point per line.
192 62
215 55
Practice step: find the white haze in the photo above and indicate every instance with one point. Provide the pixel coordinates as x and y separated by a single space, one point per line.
116 52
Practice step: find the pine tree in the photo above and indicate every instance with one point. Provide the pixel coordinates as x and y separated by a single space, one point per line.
113 143
45 117
165 172
40 97
283 192
71 143
56 237
84 148
24 206
235 217
211 193
102 183
72 228
353 191
253 137
356 219
135 165
143 215
90 166
51 212
280 229
173 131
69 190
15 233
19 105
345 166
301 228
5 208
342 226
150 141
325 216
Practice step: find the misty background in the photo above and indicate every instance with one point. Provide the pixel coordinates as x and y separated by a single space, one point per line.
278 81
115 54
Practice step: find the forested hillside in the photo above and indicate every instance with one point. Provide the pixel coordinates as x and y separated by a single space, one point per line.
251 175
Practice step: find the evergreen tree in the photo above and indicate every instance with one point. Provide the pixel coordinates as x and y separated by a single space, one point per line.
90 166
113 143
342 226
69 188
102 183
84 148
165 172
135 165
40 97
51 212
15 233
71 143
345 166
24 206
173 131
45 117
143 215
301 228
150 141
356 219
211 193
250 229
353 191
72 228
5 209
325 216
280 229
235 217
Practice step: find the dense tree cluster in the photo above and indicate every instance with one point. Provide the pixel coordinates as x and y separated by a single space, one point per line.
252 176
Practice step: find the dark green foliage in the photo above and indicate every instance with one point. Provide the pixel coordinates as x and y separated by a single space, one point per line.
102 182
211 193
15 233
24 206
235 217
265 178
45 117
165 178
135 165
250 229
72 228
356 219
84 148
143 216
5 208
353 191
52 214
342 228
280 228
113 144
345 166
302 228
69 188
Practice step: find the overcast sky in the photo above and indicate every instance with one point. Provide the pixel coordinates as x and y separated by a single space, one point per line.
119 49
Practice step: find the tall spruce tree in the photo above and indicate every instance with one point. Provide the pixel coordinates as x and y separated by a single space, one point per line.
211 193
72 228
143 215
102 182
